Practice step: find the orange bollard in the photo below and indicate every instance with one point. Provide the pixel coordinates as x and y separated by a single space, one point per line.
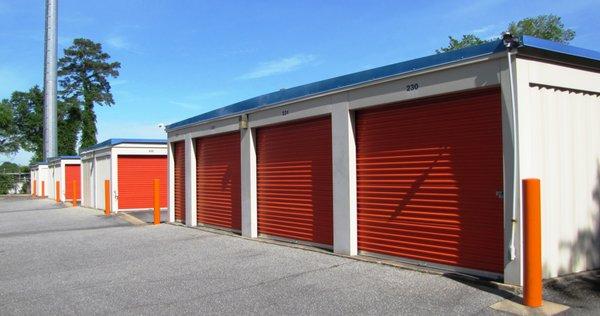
57 191
43 189
532 250
107 197
34 188
156 201
74 193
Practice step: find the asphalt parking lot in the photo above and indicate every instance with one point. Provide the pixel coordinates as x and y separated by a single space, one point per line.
64 260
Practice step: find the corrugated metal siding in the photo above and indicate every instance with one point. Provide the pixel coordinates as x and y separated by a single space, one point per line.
102 173
560 144
179 182
218 180
136 180
86 184
72 173
295 180
428 172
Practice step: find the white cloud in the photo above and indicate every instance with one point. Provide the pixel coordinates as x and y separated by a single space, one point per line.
129 129
186 105
278 66
118 42
118 82
198 101
122 43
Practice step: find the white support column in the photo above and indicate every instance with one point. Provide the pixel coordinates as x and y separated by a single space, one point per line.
114 181
171 182
63 181
248 177
344 178
513 269
190 182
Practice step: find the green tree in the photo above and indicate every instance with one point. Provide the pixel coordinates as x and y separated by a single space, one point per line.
9 143
8 179
548 27
465 41
28 119
84 71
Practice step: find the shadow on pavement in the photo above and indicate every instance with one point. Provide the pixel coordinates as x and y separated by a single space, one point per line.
483 285
148 216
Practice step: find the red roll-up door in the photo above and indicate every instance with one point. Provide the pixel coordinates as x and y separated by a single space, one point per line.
72 173
218 180
295 180
428 174
179 181
136 178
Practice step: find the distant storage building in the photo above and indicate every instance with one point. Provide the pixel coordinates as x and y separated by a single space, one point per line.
419 161
64 175
39 179
130 166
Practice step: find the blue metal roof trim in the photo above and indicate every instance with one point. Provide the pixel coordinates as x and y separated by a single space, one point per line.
116 141
534 42
51 159
345 81
39 163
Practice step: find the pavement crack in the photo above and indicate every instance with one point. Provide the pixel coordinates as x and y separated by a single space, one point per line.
51 231
247 287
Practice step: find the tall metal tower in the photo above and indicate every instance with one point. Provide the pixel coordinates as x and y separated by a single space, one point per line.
50 59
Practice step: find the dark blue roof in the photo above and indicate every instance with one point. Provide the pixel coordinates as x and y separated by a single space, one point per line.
51 159
550 46
116 141
346 81
38 163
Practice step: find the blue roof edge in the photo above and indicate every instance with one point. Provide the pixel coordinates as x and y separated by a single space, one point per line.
62 157
555 47
38 163
116 141
397 69
344 81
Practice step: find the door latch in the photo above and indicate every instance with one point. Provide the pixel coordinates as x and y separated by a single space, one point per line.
500 194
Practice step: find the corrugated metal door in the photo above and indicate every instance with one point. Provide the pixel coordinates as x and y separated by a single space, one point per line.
218 180
428 176
179 182
295 181
136 177
72 173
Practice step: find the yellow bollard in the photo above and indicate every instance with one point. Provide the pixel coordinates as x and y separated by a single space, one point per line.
43 189
156 201
57 191
33 192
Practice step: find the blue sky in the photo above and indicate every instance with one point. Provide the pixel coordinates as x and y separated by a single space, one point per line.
183 58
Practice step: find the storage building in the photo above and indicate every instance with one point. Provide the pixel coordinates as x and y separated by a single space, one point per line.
419 161
64 177
130 165
39 179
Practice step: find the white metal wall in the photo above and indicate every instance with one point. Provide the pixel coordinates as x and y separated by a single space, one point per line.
42 175
56 175
86 182
559 128
102 173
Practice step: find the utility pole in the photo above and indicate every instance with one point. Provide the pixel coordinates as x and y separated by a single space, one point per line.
50 59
